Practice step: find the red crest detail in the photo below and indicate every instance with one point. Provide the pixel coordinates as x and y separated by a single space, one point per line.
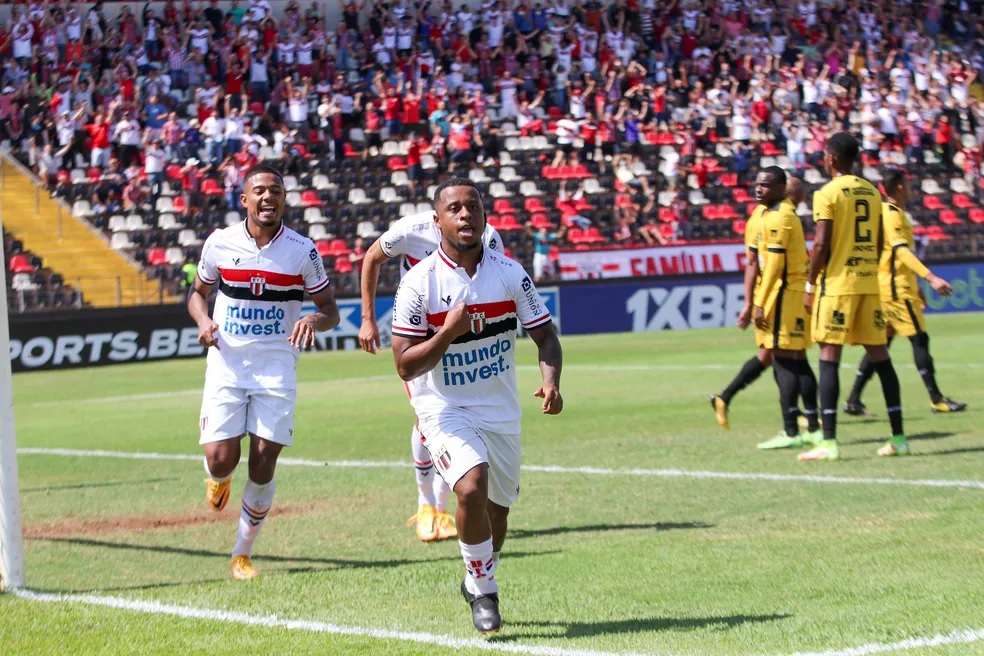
257 285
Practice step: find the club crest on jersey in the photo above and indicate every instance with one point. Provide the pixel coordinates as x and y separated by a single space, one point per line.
257 284
477 322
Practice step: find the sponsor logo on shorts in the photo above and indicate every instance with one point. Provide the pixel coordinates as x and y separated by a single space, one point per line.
442 460
837 318
879 320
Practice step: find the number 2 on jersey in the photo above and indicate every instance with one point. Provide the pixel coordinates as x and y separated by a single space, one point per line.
862 213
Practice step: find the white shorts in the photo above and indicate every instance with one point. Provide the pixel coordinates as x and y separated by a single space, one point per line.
456 447
230 412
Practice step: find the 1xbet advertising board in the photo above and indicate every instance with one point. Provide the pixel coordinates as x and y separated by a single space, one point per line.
714 301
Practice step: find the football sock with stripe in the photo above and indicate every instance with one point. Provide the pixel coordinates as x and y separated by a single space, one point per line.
808 394
893 396
480 564
829 391
424 468
924 363
750 371
788 383
257 500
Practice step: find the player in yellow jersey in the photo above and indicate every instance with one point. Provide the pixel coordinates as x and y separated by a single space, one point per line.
762 360
901 297
779 312
842 291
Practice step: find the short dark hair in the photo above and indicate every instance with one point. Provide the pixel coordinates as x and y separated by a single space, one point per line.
776 172
894 180
455 181
844 147
262 168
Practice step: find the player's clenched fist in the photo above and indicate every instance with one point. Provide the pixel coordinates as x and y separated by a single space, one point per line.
457 323
207 333
553 402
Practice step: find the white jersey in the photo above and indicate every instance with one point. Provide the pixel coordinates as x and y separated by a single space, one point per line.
476 377
258 303
416 236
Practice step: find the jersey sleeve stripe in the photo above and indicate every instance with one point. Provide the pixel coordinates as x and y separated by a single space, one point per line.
776 249
412 333
272 277
539 321
205 280
318 288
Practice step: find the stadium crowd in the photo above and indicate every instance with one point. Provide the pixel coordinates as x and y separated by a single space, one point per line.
639 121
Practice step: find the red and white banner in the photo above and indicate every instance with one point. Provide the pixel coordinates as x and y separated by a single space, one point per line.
652 262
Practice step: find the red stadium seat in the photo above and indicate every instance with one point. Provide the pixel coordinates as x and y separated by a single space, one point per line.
509 223
343 264
395 163
174 171
666 214
949 217
738 225
962 202
593 235
210 187
310 198
324 248
533 205
540 220
503 206
740 195
977 215
339 247
156 257
179 204
667 231
729 179
20 263
94 174
933 203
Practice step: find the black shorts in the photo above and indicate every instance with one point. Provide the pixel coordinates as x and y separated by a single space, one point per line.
373 140
414 172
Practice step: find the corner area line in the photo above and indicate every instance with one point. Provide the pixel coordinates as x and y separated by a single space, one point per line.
544 469
960 637
313 626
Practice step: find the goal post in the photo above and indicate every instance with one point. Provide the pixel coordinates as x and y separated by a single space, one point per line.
11 531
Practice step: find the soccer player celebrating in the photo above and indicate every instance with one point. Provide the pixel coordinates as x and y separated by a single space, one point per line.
413 238
901 299
844 268
454 342
253 339
779 309
753 368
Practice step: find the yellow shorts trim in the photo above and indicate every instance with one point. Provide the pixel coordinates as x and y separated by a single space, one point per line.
857 319
905 316
789 325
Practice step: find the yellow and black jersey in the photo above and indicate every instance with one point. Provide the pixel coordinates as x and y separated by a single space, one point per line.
854 207
783 254
899 265
753 233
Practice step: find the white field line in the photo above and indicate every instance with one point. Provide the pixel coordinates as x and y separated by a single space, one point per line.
545 469
275 622
150 396
959 637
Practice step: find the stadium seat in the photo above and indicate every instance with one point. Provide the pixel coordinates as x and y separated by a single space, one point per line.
540 220
343 264
81 208
933 203
156 257
187 237
309 198
211 187
977 215
533 205
339 247
168 222
120 240
291 183
508 223
389 195
949 217
314 215
20 263
962 202
529 188
179 204
175 255
117 223
498 190
135 223
358 196
399 179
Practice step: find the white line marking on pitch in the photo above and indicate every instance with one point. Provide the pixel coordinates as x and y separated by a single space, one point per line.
545 469
150 396
272 621
960 637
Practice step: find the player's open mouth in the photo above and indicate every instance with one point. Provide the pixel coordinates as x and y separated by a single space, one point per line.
466 232
269 210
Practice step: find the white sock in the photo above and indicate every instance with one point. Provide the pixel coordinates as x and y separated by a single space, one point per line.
257 500
441 492
480 565
217 479
424 468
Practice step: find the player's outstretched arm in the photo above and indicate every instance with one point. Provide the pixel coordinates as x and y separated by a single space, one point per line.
325 318
910 260
369 282
198 309
416 356
551 358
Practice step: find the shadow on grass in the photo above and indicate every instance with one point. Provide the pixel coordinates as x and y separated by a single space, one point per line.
87 486
932 435
638 625
519 534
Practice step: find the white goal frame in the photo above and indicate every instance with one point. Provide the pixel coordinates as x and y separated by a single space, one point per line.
11 527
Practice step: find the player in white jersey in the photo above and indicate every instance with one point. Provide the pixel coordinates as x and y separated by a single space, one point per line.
254 339
454 342
413 238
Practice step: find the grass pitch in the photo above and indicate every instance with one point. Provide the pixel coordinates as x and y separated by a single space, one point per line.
648 552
